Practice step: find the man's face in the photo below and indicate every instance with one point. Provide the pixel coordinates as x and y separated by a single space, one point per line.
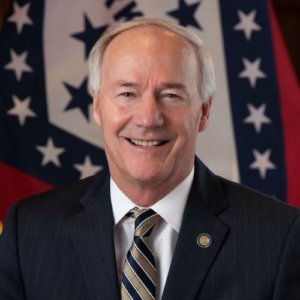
149 109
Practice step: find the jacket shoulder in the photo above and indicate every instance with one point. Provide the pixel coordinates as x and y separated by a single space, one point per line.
254 202
60 199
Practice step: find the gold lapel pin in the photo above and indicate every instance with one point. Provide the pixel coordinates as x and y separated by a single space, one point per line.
204 240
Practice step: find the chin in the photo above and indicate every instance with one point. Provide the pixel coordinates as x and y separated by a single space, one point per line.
146 177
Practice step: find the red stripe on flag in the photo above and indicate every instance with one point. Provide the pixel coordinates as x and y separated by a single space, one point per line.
16 185
289 93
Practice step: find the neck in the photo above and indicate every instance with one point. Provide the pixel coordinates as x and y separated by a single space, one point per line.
145 195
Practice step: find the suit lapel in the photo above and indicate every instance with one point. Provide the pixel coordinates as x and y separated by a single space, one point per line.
191 263
91 227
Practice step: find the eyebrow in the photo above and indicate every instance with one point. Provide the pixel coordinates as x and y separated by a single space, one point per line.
121 83
165 85
173 85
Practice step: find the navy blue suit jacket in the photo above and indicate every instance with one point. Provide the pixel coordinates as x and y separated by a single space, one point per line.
59 245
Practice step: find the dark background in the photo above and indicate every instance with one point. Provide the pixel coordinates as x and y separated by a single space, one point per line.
288 16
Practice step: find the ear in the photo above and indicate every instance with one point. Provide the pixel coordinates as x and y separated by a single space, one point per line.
96 110
205 114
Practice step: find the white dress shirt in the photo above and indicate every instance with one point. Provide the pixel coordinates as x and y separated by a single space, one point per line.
164 235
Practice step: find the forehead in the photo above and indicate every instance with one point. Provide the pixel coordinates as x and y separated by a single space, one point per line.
146 38
149 56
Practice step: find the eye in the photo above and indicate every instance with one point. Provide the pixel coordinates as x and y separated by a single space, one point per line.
127 94
172 96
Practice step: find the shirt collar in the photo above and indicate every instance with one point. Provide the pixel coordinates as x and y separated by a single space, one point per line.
170 208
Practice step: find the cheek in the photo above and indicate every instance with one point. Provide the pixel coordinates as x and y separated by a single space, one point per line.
190 122
113 120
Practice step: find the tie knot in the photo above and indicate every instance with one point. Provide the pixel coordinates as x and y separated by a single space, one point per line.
145 220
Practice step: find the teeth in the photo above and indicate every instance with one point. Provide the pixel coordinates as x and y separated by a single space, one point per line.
145 143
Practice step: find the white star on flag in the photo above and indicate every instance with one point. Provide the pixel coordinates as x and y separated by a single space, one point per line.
18 64
21 109
262 162
252 71
50 153
257 116
247 23
87 168
20 16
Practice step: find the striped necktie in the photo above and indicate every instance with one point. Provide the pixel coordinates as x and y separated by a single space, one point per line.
139 273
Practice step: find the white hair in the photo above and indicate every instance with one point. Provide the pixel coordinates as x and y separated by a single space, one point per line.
206 81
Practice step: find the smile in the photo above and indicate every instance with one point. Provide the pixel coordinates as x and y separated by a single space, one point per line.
145 143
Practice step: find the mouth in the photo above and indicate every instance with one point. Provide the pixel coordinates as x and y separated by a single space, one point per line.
146 143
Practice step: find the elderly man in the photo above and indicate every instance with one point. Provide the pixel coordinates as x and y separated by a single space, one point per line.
160 225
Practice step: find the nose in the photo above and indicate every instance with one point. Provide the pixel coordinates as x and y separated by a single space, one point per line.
149 112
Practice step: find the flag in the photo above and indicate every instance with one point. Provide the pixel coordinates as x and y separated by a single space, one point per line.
47 134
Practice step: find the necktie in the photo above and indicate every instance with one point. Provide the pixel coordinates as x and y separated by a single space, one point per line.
139 273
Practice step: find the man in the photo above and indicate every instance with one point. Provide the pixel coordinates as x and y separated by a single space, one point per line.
152 84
